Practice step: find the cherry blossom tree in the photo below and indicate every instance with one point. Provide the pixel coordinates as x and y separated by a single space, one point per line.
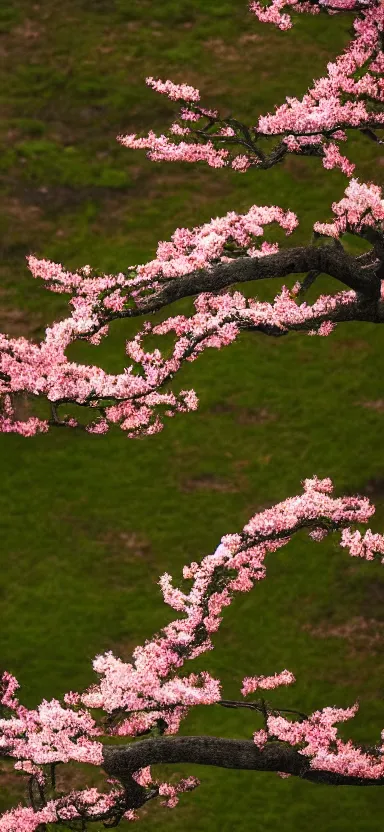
150 695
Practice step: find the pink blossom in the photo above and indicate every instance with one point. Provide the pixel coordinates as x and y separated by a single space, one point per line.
363 546
174 91
362 207
260 738
240 163
272 13
252 683
325 328
334 159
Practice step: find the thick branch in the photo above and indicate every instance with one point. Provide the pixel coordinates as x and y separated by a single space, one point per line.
327 259
122 761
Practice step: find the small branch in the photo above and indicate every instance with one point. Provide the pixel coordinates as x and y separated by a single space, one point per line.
265 714
308 282
371 135
256 706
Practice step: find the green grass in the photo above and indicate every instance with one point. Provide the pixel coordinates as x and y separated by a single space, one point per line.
89 523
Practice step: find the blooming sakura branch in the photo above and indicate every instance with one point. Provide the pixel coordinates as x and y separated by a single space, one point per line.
151 695
223 251
349 97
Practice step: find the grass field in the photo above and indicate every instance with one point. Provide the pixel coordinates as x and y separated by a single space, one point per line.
89 523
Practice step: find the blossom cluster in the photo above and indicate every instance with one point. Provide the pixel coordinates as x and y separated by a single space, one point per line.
360 209
252 683
50 734
169 791
317 738
272 12
214 241
85 805
95 298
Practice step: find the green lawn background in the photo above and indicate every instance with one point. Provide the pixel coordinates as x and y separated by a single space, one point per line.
89 523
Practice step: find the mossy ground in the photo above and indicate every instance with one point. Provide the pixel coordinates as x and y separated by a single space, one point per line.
89 523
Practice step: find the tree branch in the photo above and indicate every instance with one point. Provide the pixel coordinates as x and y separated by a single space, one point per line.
361 273
122 761
327 259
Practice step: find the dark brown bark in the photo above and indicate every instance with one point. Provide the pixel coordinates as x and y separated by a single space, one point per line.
330 259
121 761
